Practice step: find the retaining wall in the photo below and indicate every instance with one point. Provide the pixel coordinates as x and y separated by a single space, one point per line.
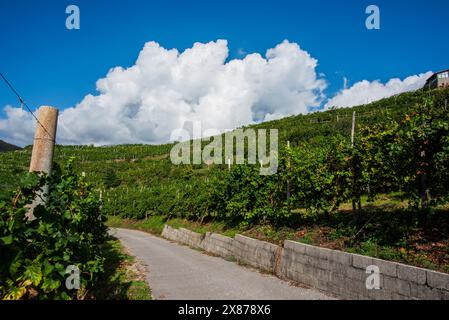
211 242
345 274
218 244
337 272
259 254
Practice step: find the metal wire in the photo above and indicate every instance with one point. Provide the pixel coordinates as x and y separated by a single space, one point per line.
23 103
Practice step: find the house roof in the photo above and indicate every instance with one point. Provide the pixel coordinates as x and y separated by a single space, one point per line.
440 72
435 74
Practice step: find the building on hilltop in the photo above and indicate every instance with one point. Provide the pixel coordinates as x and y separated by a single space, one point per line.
438 80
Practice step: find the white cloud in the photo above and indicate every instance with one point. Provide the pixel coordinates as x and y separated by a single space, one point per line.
18 126
166 88
365 91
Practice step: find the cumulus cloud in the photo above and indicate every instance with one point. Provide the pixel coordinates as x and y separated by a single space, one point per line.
365 91
18 126
167 88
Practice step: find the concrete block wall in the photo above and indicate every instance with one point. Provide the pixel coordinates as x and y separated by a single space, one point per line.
345 275
337 272
191 238
183 235
321 268
259 254
210 242
171 233
218 244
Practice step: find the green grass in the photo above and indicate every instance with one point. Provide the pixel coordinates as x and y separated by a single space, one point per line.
155 225
306 239
202 228
120 281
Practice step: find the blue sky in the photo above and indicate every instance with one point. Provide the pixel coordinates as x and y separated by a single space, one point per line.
51 65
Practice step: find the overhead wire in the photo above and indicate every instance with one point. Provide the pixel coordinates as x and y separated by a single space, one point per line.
23 103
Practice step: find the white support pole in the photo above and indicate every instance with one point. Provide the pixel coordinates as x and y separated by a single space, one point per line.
353 129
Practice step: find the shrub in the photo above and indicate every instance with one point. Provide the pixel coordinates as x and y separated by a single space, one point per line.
68 230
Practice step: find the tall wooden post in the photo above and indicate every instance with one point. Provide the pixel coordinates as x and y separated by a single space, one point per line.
44 140
43 149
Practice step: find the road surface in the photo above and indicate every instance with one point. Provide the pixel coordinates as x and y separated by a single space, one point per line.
178 272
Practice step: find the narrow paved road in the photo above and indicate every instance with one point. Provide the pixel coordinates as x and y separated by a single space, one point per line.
178 272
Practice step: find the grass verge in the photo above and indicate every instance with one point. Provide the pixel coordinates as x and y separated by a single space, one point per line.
155 225
124 277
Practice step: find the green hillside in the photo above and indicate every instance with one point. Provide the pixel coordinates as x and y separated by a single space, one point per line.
387 194
4 146
146 169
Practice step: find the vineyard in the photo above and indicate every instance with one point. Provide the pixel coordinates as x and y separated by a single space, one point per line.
386 195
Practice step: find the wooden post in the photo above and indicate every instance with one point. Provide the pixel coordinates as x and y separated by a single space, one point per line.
43 149
44 140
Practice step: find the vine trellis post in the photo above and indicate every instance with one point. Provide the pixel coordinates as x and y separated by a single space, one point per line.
353 130
356 204
43 150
